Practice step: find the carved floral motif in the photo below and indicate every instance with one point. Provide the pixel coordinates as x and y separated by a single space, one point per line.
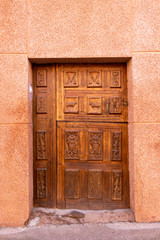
70 79
95 146
116 185
116 146
115 79
94 79
41 78
71 145
41 183
115 105
41 145
41 104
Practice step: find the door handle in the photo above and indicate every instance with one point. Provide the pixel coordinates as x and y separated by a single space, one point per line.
124 102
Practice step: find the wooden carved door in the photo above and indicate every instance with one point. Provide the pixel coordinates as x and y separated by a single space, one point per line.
88 127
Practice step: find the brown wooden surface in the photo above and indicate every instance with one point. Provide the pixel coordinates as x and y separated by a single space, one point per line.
88 104
92 93
44 114
92 168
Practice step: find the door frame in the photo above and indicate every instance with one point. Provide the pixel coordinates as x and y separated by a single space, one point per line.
52 77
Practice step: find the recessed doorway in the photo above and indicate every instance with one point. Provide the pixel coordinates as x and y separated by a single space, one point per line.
80 136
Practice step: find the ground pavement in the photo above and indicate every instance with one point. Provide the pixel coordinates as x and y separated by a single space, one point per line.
72 224
109 231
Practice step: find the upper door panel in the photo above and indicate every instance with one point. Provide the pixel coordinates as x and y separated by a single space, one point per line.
92 93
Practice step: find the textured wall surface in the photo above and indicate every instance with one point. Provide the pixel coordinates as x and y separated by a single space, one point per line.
15 140
13 22
145 138
144 135
79 29
146 25
14 174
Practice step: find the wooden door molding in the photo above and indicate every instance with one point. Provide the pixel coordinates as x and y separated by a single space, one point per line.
92 93
80 136
92 169
44 112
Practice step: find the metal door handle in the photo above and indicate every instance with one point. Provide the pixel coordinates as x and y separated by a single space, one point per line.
124 103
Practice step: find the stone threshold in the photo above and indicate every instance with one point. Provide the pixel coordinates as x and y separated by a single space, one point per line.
41 216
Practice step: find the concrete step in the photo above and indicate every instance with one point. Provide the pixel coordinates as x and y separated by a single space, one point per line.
41 216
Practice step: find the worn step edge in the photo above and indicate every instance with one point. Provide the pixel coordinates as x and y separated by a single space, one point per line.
40 216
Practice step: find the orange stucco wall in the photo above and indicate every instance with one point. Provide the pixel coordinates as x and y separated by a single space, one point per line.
34 30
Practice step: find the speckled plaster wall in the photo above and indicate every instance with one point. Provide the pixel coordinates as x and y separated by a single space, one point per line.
33 30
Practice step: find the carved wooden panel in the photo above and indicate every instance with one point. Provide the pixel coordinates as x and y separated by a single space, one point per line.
41 78
94 105
115 79
41 183
95 184
41 144
71 144
41 104
97 178
70 79
116 185
116 146
80 116
44 135
95 146
94 79
71 105
93 86
72 182
115 105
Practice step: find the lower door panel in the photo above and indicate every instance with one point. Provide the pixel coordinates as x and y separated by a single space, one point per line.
92 165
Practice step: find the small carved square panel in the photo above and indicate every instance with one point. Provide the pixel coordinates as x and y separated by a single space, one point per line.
95 142
94 105
41 78
116 146
71 105
115 105
94 79
115 79
41 144
72 182
72 145
71 79
41 183
116 185
41 104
